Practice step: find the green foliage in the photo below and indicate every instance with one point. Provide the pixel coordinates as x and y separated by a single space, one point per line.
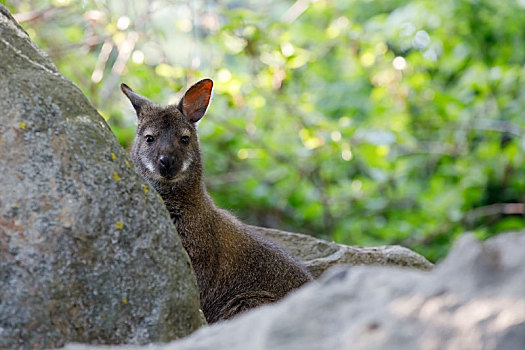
365 122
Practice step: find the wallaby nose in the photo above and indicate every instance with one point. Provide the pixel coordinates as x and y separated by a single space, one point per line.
166 163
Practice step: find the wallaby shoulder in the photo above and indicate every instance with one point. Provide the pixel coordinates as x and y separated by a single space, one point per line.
254 270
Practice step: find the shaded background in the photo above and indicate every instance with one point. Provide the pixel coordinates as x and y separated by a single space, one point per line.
363 122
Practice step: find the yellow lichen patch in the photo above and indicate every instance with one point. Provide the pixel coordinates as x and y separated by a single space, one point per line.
119 225
145 189
22 125
116 177
113 156
125 300
127 164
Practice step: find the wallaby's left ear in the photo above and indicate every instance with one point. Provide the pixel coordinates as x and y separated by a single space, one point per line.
195 101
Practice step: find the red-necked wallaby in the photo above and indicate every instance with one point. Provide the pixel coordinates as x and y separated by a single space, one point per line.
236 268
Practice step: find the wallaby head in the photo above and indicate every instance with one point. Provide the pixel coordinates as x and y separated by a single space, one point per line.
166 147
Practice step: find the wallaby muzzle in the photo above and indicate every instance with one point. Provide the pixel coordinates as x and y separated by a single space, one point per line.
167 166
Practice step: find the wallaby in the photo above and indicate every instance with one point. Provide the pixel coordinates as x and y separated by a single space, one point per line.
236 268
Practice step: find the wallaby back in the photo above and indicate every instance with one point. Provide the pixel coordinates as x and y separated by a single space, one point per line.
236 268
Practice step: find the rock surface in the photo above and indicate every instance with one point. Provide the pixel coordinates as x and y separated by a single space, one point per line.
80 260
474 299
319 255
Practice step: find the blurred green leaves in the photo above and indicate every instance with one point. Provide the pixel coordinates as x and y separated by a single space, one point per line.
366 122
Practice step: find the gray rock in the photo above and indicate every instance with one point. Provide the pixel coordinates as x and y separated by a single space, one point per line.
474 299
319 255
87 250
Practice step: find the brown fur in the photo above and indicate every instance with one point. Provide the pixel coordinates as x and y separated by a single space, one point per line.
236 268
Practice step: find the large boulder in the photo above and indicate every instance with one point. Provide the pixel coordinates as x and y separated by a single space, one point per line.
474 299
88 252
319 255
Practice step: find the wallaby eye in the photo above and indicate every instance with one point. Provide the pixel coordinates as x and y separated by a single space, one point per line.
149 138
185 140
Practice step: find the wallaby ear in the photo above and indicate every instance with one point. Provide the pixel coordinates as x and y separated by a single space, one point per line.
138 101
195 101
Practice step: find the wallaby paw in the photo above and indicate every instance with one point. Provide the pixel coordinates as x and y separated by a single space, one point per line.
246 301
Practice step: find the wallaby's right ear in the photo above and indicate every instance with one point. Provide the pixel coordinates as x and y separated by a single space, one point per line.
138 101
